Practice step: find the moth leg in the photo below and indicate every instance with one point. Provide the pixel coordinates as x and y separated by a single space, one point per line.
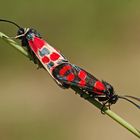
107 105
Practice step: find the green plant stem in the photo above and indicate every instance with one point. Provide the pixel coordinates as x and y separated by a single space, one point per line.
106 111
13 44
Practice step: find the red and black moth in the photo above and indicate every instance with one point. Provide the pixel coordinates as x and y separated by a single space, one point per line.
65 74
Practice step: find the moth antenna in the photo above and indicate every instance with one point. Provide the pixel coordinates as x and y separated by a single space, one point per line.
135 98
3 20
124 97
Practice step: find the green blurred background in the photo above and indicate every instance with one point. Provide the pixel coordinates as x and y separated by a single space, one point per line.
102 37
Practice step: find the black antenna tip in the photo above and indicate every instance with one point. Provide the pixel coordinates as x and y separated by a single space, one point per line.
126 98
3 20
132 97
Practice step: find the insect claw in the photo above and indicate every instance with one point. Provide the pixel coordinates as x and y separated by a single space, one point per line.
102 108
109 107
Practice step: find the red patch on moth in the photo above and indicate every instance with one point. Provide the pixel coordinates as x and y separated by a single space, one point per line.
45 59
70 77
99 87
82 83
54 56
39 42
33 46
64 69
36 44
82 74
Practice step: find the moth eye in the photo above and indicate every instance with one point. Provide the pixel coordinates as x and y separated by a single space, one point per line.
20 31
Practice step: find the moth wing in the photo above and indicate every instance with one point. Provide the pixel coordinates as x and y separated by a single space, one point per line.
72 75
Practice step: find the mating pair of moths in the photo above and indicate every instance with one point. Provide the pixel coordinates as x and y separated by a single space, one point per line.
65 74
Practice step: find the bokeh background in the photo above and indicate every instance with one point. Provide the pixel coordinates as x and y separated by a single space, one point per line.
102 37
